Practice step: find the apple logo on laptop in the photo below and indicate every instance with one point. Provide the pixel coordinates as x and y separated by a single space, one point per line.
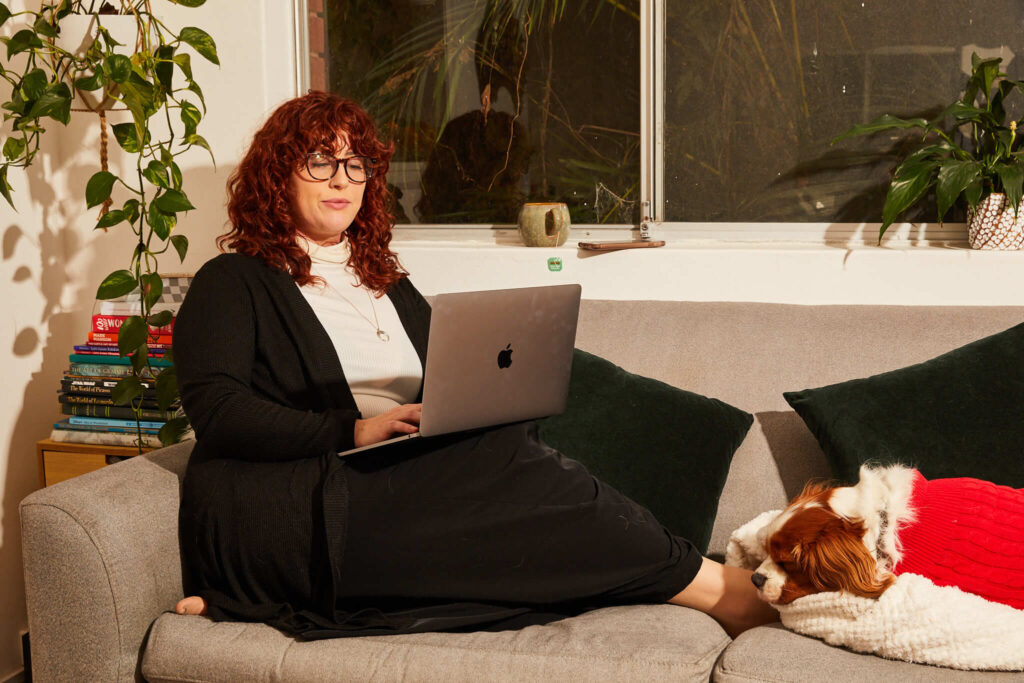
505 357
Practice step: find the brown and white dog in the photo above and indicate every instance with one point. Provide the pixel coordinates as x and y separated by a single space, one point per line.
963 532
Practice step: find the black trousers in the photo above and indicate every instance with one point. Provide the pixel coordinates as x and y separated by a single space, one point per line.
496 529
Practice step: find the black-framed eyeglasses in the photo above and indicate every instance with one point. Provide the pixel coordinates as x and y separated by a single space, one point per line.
323 167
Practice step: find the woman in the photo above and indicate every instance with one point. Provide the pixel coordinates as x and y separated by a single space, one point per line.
309 339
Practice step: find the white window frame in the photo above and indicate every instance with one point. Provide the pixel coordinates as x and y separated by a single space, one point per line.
652 158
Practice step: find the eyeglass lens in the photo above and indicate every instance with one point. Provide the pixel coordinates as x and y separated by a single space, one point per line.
323 167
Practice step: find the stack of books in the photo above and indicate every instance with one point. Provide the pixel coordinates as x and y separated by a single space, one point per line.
86 391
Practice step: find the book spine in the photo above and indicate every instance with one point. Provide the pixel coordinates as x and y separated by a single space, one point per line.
105 399
133 308
101 382
110 350
65 424
99 369
102 438
103 359
112 323
155 340
110 422
115 412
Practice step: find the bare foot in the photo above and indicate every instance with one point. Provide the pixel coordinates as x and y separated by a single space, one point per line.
193 604
727 594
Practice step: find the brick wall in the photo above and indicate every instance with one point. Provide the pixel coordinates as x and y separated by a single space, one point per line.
317 46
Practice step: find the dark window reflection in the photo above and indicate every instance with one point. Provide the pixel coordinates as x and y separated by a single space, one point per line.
754 91
492 103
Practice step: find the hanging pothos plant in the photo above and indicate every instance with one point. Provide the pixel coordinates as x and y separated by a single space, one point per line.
153 80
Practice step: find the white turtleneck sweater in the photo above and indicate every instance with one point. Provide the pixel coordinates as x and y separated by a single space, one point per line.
381 375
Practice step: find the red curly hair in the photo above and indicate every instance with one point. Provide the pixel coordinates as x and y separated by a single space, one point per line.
260 195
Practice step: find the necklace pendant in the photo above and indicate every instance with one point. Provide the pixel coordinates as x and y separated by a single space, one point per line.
383 336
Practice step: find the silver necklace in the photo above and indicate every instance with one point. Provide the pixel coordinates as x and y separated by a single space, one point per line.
381 334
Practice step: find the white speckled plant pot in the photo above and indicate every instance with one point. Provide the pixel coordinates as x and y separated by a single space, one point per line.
994 225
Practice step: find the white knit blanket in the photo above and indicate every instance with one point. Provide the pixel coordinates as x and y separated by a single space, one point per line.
914 620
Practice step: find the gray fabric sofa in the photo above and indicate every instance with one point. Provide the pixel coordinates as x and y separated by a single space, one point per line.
102 566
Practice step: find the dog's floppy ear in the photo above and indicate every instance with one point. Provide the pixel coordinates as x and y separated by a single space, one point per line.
838 560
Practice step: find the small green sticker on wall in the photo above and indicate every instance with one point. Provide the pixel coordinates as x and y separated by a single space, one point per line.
554 263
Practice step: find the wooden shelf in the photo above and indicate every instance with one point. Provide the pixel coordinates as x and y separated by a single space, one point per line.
60 460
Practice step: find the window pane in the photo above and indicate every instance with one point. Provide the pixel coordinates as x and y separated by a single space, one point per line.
754 92
494 103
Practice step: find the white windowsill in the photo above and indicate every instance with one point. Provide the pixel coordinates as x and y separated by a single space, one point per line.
900 272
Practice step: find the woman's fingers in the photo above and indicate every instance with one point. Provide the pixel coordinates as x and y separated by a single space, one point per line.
403 419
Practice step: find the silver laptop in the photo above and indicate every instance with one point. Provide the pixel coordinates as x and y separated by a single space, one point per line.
495 357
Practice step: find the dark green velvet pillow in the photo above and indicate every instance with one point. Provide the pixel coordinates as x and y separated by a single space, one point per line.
958 415
665 448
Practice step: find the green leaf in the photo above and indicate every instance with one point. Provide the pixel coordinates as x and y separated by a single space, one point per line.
65 8
132 335
189 3
973 192
161 221
99 187
190 116
180 243
954 177
118 283
55 103
110 218
201 41
194 87
127 138
140 358
16 103
153 286
5 187
45 28
128 388
24 39
5 14
908 186
160 319
1012 178
201 141
960 112
184 62
173 430
117 67
883 122
131 210
139 96
13 147
90 83
175 175
166 388
164 69
156 174
173 201
33 85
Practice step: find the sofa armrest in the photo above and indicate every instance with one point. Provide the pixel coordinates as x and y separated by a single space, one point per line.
101 562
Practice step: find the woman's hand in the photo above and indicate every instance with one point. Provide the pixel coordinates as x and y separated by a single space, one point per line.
404 419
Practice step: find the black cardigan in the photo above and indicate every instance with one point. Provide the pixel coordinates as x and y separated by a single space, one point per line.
268 400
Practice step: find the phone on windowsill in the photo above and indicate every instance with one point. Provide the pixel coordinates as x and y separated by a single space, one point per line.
625 244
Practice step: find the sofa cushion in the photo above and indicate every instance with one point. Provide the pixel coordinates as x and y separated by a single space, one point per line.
649 440
771 653
956 415
630 643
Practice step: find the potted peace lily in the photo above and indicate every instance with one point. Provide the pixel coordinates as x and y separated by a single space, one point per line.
974 158
79 54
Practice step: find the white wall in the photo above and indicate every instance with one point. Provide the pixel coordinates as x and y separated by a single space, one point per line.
51 261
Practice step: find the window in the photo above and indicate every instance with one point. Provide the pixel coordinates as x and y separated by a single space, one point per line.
496 102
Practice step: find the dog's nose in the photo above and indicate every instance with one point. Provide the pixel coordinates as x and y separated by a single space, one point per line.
758 579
